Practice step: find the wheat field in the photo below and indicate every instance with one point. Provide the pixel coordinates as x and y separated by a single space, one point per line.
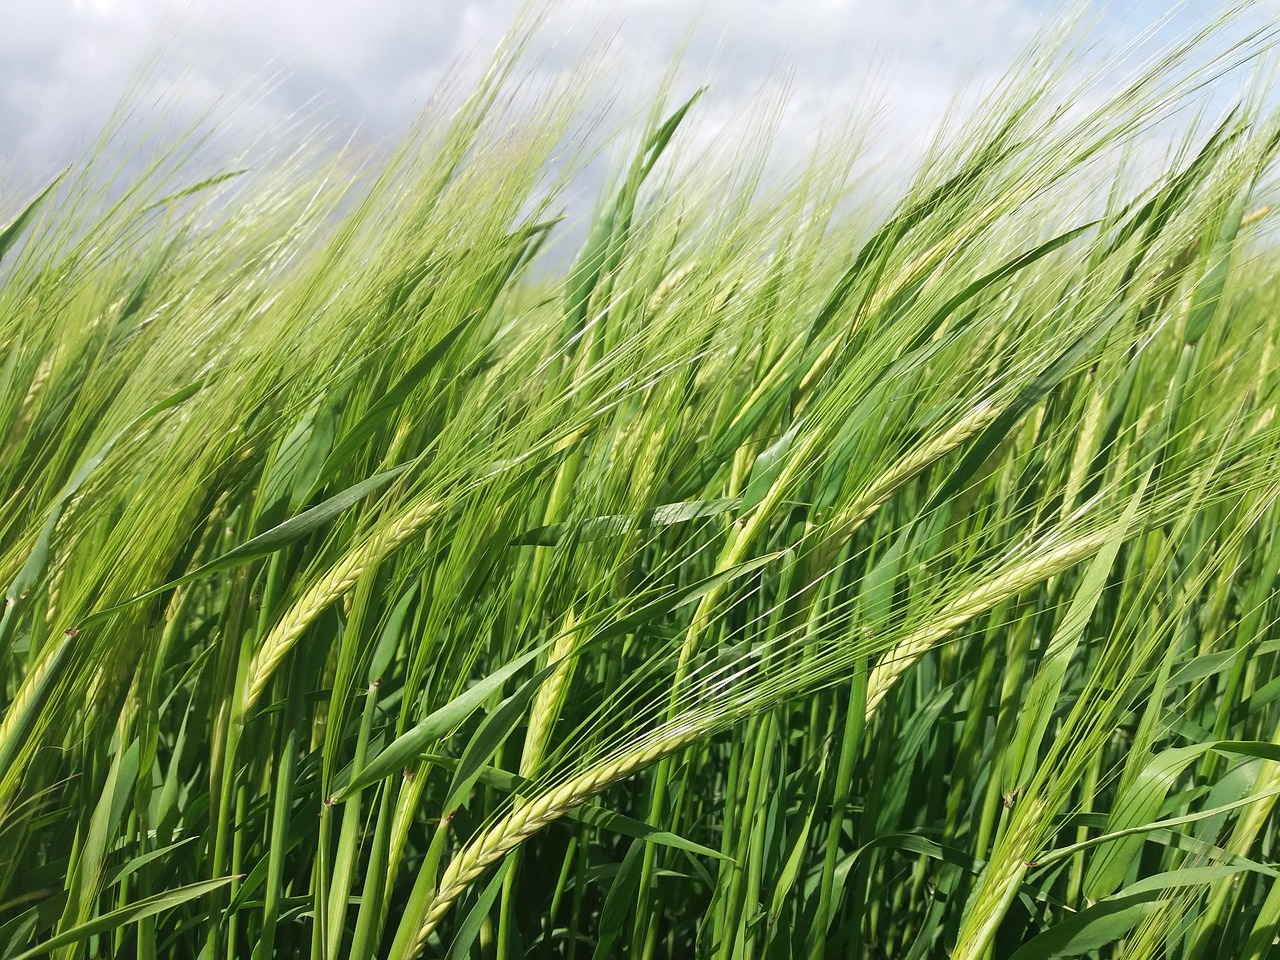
790 572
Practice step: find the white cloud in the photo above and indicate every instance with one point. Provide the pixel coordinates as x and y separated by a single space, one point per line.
64 64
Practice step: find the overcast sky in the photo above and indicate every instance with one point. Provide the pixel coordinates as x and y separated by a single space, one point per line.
371 64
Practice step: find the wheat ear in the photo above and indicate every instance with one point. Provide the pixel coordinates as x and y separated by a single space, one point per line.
998 884
888 483
896 661
550 697
523 822
340 578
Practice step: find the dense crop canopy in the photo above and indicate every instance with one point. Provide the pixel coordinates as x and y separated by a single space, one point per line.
788 574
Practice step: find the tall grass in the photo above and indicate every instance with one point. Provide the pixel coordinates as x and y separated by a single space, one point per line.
782 578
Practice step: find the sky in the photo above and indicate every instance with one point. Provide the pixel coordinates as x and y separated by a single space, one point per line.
368 66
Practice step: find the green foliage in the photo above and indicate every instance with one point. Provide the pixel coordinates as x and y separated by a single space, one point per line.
795 573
